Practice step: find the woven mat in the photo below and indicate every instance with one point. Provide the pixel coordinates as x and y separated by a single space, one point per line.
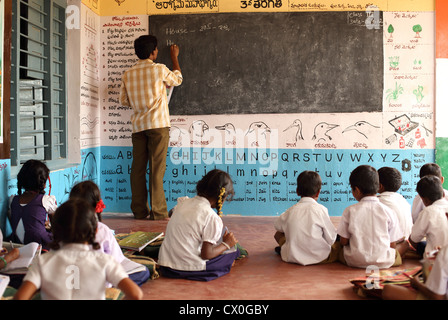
373 285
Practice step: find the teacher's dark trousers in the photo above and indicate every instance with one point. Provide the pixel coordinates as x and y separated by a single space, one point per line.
149 151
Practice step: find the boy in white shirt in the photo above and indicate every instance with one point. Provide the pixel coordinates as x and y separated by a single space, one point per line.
369 230
305 232
426 170
431 222
390 183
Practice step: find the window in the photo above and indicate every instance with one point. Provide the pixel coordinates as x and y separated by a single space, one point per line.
38 82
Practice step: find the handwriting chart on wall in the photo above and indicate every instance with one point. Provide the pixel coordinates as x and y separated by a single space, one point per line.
273 62
90 79
117 41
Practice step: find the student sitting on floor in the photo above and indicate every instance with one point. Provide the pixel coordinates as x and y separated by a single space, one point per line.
435 287
30 209
195 241
428 169
431 222
369 230
72 270
89 191
305 232
390 183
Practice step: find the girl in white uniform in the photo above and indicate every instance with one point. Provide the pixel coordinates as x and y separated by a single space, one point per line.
72 270
196 244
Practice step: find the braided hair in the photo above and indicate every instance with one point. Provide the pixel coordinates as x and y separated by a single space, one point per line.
74 222
218 185
32 176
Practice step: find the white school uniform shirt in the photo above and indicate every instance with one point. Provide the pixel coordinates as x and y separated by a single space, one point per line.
437 280
108 243
192 223
418 205
401 207
308 230
74 272
432 223
370 227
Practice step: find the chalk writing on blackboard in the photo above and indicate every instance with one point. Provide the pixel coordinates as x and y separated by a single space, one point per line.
280 62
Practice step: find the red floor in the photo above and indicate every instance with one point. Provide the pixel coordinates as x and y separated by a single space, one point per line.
260 276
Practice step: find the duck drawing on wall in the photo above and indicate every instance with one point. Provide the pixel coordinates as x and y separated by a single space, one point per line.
321 131
229 133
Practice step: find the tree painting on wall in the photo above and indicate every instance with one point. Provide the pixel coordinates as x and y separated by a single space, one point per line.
417 29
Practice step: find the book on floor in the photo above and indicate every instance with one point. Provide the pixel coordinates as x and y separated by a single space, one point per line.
137 241
27 254
132 267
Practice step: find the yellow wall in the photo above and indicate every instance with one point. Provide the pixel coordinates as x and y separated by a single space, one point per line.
149 7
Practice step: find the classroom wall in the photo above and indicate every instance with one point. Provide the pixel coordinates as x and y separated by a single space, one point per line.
83 108
264 167
441 83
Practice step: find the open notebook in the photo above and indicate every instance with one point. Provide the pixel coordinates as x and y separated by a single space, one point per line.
28 253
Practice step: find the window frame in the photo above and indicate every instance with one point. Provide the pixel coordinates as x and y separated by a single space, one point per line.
55 109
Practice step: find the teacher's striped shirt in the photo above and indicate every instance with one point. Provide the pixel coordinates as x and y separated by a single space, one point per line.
144 89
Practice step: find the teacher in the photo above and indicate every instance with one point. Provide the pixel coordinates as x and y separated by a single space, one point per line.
143 89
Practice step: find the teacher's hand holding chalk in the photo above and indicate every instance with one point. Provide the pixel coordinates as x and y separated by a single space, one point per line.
174 54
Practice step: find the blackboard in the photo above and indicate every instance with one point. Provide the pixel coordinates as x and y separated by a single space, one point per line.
301 62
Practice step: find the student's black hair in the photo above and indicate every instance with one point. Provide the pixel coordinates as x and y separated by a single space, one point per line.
211 185
430 187
309 184
390 178
89 191
430 169
32 176
144 46
366 179
74 222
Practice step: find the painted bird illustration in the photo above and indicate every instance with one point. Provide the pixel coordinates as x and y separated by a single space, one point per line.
256 130
296 124
363 127
198 128
176 134
321 130
228 128
258 127
229 132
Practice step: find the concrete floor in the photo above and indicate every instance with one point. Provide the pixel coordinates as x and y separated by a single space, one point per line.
260 276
